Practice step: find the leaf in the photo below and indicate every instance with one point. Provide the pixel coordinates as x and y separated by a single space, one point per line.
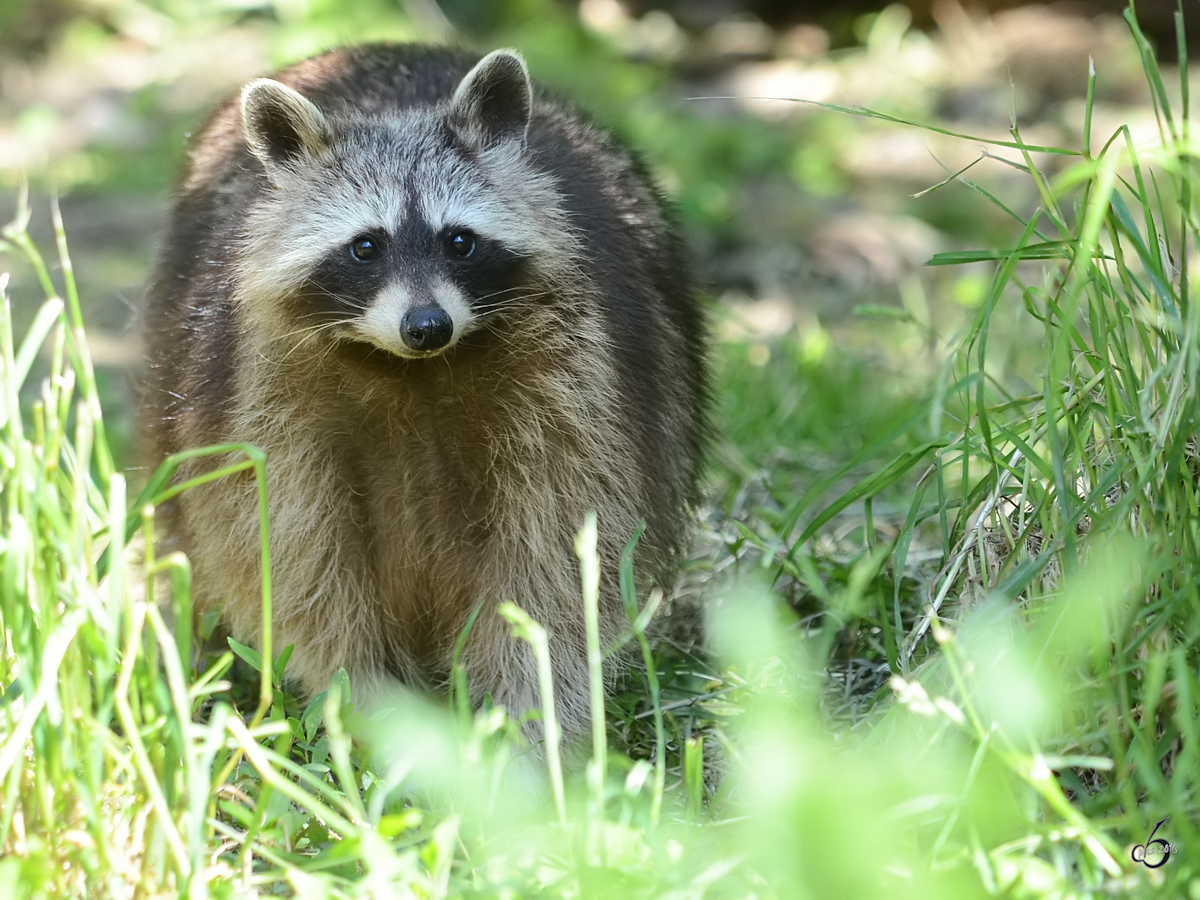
249 654
281 661
1040 250
868 487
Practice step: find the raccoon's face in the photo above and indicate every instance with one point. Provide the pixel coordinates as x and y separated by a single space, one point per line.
405 232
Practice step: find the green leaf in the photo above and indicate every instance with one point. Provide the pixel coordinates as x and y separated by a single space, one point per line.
281 661
249 654
1040 250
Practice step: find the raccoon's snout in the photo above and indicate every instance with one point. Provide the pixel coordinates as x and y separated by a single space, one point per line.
426 328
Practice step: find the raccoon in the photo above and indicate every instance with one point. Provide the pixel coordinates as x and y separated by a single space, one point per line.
453 313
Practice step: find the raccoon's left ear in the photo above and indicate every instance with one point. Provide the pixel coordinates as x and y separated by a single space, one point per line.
493 101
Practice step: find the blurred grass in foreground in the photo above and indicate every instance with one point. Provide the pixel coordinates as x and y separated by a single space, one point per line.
1045 677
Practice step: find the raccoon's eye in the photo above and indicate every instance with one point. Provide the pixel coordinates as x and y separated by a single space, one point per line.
364 249
460 243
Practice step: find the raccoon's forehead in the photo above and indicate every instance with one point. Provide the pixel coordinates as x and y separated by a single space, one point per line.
389 176
386 176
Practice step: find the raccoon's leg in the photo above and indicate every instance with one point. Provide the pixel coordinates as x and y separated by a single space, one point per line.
324 600
336 630
504 668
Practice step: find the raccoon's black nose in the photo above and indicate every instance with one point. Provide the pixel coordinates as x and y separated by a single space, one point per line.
426 328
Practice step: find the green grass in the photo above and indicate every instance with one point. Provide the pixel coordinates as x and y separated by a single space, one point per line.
954 630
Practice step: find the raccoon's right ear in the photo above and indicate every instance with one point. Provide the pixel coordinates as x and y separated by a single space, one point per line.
281 124
494 100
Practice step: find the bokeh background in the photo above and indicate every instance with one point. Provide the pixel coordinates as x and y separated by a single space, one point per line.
807 229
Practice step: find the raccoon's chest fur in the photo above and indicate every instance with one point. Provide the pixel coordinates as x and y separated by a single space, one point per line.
429 503
451 312
453 481
423 489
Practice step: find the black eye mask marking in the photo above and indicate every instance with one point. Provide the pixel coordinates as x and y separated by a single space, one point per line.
348 279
